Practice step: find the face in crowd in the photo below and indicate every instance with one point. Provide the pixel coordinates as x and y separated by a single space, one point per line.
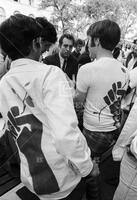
78 48
48 33
135 50
66 47
45 45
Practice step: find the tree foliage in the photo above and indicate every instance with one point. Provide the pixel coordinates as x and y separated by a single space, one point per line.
121 11
62 12
75 18
98 9
127 15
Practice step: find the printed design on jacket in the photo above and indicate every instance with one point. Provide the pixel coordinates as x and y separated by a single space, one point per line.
26 100
28 130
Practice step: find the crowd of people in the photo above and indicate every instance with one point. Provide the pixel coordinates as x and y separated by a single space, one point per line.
69 117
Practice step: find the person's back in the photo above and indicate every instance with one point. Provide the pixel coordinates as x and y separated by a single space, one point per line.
37 107
104 81
104 93
31 114
102 85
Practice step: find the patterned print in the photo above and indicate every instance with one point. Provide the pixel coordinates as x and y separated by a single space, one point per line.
28 130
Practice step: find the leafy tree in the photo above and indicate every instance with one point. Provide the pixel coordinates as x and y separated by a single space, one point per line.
127 17
121 11
98 9
80 20
62 12
75 18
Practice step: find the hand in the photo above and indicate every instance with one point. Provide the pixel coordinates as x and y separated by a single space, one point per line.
132 148
117 153
95 171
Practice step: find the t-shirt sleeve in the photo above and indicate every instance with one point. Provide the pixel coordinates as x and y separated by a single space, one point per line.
83 79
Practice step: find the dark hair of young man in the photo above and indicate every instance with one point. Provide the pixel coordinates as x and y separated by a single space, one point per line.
79 42
68 36
48 31
17 34
135 41
108 33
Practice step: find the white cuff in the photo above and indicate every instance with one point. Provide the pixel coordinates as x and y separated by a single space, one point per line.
133 147
118 153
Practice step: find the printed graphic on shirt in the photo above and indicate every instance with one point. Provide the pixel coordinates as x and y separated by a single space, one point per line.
113 100
28 130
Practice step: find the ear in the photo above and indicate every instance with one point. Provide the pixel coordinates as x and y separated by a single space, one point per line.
36 43
59 45
97 42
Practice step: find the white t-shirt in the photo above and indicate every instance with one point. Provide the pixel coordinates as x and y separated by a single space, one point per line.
105 81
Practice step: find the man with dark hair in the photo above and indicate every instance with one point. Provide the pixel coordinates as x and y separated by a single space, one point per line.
131 61
64 59
37 107
102 84
78 46
135 41
84 57
48 33
22 43
67 36
107 39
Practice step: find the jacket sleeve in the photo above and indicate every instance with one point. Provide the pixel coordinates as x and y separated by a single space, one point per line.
127 133
62 120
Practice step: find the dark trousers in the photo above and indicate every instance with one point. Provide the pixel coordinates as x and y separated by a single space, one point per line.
92 188
78 192
100 144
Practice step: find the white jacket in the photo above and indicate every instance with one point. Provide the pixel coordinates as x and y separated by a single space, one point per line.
128 136
37 106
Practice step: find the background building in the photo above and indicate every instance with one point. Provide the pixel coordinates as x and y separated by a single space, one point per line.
26 7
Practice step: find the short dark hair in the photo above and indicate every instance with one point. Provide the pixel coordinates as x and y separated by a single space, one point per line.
79 42
135 41
16 35
48 30
68 36
107 31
